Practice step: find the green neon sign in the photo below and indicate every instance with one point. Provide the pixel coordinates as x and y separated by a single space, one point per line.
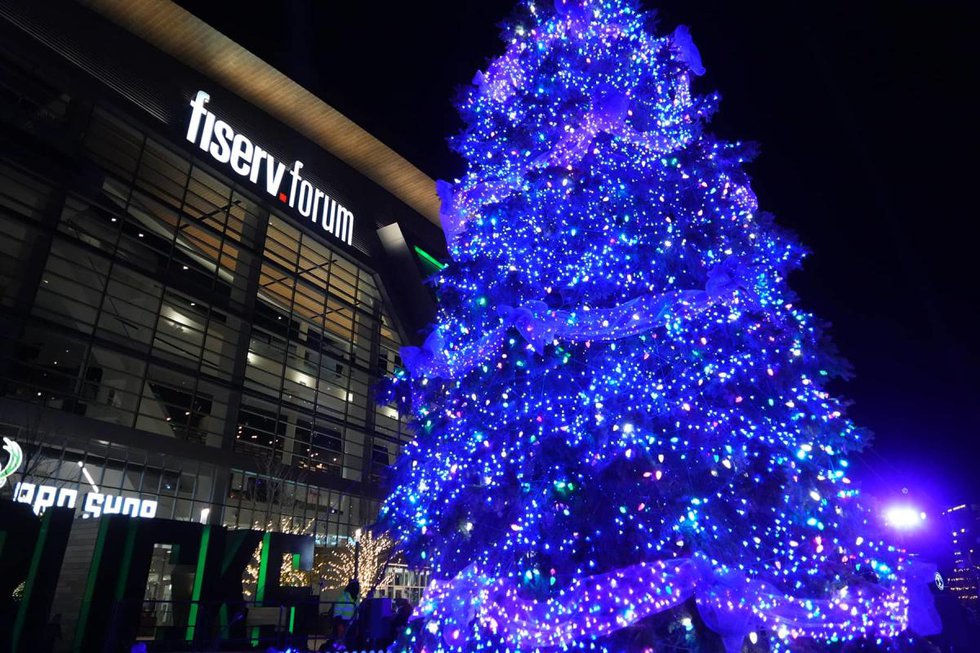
16 457
429 258
202 558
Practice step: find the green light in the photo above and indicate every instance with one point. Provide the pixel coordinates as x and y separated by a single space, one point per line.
16 457
31 574
93 574
429 258
202 556
260 584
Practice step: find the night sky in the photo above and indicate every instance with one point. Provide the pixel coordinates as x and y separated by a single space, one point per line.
868 151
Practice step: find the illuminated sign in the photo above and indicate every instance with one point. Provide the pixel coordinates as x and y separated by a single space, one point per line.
94 504
14 458
217 138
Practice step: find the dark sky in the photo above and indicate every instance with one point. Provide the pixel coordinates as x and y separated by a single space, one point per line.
868 141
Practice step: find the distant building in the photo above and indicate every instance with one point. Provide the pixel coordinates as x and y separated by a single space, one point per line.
963 580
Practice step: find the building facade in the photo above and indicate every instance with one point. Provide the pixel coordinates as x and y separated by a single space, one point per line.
963 577
202 276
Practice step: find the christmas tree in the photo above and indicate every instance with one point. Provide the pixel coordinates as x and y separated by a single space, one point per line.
622 415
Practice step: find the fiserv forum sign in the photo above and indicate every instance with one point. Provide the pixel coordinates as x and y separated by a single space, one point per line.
217 138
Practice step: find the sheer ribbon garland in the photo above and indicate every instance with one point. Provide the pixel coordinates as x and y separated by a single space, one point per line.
607 112
730 603
540 325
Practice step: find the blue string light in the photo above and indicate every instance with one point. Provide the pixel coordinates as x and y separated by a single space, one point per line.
621 408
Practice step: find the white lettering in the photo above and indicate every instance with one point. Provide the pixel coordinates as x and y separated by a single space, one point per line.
44 498
316 202
305 198
297 166
197 110
241 154
221 148
148 509
344 229
257 164
219 139
113 505
66 498
274 171
131 507
95 504
24 492
207 133
332 206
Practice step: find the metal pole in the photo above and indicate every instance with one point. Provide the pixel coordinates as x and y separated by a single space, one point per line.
357 554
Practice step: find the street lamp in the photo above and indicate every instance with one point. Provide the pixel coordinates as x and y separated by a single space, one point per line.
904 517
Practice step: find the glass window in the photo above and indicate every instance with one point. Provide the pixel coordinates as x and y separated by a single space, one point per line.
113 386
140 320
129 308
162 173
15 247
113 144
71 287
207 199
22 194
181 326
49 368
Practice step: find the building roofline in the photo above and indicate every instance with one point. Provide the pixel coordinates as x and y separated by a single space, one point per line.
196 44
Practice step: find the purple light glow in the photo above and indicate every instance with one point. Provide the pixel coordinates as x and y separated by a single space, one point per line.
904 517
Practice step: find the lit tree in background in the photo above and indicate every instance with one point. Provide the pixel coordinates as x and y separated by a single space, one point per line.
289 576
365 558
622 416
